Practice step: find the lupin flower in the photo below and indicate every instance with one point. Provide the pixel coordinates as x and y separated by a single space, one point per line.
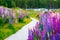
31 35
36 29
1 11
21 16
49 27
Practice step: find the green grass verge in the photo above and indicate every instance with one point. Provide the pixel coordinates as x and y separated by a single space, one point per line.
33 14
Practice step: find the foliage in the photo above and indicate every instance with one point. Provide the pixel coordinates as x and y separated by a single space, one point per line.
31 3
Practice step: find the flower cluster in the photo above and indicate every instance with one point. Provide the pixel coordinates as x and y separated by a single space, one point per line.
48 28
8 15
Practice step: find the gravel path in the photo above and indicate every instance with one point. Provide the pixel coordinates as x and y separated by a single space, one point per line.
22 34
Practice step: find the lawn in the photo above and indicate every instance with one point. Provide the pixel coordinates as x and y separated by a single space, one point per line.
33 13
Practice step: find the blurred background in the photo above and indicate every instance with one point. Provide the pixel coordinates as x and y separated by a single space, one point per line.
31 3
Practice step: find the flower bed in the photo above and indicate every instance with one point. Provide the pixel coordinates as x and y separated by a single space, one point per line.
48 27
11 21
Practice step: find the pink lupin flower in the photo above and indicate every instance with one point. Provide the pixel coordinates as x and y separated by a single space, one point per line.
31 35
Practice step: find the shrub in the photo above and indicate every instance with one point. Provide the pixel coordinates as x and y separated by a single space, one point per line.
1 21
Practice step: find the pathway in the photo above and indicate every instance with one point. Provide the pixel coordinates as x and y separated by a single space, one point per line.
22 34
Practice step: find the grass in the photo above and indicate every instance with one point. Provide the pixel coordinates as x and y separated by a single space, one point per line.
9 29
33 14
58 10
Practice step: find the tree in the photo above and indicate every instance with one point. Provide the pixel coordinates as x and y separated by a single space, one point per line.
31 3
1 2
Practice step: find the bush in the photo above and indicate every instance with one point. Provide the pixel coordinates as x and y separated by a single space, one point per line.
1 21
20 20
6 20
10 26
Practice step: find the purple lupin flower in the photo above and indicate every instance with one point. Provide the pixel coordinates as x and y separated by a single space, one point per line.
37 28
1 11
43 36
31 35
50 29
57 36
57 26
21 16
